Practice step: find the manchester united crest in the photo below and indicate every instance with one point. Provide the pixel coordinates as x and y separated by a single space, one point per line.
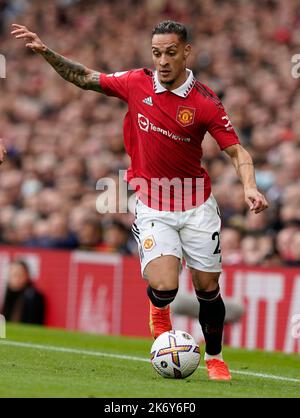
149 243
185 115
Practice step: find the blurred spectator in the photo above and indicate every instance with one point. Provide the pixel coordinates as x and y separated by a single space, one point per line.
59 234
23 227
257 248
294 259
22 302
89 235
115 238
62 140
231 246
284 241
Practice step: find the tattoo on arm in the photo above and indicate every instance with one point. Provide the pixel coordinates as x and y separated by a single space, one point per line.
73 71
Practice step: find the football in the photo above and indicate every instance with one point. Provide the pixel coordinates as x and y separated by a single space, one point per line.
175 354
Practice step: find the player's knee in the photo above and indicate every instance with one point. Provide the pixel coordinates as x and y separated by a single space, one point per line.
205 281
208 295
161 298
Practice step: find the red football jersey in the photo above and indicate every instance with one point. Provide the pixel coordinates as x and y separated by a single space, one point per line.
163 132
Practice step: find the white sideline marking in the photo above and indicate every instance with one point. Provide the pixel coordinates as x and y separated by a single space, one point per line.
131 358
73 351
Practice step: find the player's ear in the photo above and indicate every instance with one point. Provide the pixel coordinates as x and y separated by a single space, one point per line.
187 50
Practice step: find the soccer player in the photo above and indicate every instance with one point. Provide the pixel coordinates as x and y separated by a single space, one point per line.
169 112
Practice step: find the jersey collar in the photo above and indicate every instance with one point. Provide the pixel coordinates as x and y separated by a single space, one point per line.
182 91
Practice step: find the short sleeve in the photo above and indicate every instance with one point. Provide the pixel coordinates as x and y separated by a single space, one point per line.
115 84
221 128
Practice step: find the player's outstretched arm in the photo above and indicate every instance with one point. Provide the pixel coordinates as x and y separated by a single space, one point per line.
74 72
243 164
2 151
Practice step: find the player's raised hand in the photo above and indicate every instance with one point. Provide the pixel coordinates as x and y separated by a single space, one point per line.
256 201
2 151
32 40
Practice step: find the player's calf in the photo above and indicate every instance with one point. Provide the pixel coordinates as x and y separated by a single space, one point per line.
211 318
160 320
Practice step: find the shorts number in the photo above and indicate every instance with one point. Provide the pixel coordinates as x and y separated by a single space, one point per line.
214 236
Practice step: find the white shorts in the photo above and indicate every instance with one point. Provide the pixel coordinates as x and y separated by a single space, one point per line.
193 235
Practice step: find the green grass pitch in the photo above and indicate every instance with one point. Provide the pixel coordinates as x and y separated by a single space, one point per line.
40 362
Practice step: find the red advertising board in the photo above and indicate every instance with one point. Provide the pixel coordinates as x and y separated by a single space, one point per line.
50 271
272 301
95 293
104 293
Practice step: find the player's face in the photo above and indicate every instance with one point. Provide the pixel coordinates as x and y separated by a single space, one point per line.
169 56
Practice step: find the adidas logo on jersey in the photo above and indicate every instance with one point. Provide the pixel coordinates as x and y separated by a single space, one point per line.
148 101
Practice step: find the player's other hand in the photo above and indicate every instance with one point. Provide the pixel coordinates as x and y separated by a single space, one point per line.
2 151
32 40
256 201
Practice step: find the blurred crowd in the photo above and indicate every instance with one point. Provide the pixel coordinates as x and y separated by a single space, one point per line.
61 139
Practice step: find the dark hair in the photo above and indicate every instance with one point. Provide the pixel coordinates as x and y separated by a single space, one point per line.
169 26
